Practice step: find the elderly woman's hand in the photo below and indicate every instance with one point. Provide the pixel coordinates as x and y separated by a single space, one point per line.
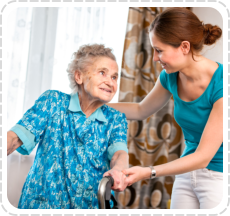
120 182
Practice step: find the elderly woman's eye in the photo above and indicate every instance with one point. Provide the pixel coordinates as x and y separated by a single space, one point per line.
114 77
102 72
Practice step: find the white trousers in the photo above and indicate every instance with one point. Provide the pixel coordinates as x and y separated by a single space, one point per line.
199 189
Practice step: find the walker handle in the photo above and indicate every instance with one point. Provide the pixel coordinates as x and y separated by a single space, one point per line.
104 191
108 187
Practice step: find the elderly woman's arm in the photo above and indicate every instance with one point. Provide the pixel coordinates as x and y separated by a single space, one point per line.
119 162
13 142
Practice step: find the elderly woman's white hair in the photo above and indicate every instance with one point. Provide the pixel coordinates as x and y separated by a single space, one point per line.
83 58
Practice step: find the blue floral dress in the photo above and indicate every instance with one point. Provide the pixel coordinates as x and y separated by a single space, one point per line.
73 151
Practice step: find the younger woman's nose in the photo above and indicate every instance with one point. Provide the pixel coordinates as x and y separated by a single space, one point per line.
155 56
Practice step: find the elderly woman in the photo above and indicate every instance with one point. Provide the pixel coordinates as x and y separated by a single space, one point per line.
78 136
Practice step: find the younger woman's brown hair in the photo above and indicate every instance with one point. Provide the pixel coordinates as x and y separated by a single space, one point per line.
175 25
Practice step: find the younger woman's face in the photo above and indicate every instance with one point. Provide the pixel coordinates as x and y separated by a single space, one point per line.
169 57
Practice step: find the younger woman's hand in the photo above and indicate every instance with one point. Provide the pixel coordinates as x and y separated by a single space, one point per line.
136 173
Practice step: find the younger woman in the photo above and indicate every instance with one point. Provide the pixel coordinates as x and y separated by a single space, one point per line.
196 83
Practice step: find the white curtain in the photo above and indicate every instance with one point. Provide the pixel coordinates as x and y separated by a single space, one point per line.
18 36
41 42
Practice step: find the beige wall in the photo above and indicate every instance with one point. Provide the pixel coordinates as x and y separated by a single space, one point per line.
212 16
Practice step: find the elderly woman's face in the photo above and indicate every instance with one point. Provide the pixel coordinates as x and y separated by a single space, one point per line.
100 79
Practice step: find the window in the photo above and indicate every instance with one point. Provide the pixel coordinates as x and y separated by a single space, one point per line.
42 42
78 26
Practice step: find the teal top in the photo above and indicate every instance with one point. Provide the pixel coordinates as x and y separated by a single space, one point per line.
73 151
192 116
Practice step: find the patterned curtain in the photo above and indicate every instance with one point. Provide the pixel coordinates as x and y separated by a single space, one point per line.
157 139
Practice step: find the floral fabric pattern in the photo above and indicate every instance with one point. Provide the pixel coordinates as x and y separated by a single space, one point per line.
72 153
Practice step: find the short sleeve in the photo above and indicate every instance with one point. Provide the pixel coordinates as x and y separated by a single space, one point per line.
217 91
163 79
118 138
33 123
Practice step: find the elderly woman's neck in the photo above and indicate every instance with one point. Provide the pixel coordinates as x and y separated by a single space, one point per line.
88 105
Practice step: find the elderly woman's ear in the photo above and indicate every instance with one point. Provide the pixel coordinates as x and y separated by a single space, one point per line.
78 77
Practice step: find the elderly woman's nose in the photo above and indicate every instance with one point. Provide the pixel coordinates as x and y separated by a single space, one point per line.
109 80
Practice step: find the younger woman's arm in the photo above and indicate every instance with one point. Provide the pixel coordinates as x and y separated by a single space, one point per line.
153 102
210 142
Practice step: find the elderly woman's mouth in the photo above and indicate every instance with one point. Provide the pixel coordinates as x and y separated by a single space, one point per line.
106 90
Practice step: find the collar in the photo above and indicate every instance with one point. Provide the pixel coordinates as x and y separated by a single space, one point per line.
74 106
